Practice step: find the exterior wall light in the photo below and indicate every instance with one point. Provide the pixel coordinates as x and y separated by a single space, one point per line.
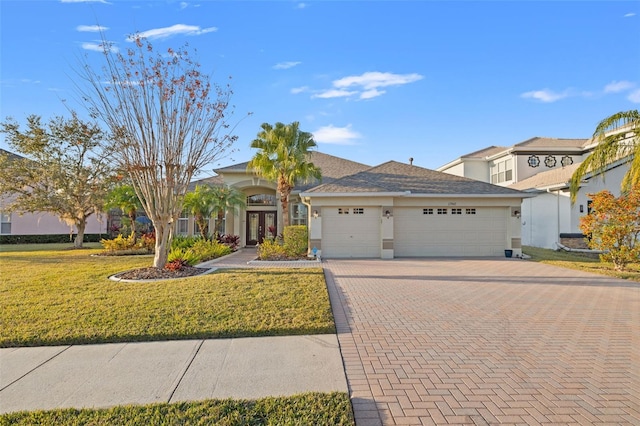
387 213
315 214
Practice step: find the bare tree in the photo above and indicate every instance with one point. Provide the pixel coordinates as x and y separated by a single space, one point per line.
167 121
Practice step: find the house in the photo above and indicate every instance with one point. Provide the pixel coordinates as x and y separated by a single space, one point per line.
391 210
42 226
542 167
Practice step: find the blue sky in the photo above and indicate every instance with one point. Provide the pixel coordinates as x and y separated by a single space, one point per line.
372 80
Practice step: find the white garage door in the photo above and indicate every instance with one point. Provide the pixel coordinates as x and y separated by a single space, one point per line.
447 231
351 232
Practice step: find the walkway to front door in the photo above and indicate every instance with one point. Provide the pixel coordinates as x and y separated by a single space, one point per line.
259 225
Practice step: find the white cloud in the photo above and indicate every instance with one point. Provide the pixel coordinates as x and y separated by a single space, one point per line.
366 85
372 80
336 135
373 93
297 90
333 93
301 5
545 95
618 86
98 47
634 96
91 28
629 15
183 5
285 65
166 32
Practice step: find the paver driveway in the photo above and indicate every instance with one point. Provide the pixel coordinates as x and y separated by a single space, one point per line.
486 341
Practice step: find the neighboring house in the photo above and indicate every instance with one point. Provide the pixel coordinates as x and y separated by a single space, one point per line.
17 224
391 210
542 167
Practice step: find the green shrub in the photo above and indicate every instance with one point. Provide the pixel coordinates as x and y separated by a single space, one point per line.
48 238
119 243
180 254
296 240
271 250
207 250
184 241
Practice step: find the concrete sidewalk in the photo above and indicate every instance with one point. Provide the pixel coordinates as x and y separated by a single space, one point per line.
150 372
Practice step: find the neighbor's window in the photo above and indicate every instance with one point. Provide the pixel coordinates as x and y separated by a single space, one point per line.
471 211
261 200
5 225
298 213
343 211
442 211
502 171
427 211
358 210
456 211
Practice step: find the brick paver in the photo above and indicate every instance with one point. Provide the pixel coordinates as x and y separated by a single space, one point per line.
486 341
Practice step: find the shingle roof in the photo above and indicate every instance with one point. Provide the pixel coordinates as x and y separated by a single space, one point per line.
544 142
10 155
213 181
331 167
553 177
485 152
399 177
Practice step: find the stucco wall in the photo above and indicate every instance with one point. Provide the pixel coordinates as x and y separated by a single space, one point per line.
46 224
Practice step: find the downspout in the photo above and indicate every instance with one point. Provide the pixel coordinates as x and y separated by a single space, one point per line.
308 204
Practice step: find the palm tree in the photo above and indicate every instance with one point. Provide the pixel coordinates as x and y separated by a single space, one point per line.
618 138
283 157
201 203
124 197
227 197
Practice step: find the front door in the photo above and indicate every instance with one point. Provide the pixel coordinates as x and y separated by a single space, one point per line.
260 224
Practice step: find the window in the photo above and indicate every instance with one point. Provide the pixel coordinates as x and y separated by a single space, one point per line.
427 211
534 161
470 211
343 211
566 161
183 223
502 171
261 200
298 214
5 223
442 211
456 211
358 210
550 161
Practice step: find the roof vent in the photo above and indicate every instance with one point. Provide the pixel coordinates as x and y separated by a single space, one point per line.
410 161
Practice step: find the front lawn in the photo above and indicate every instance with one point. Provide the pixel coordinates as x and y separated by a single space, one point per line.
55 297
581 261
305 409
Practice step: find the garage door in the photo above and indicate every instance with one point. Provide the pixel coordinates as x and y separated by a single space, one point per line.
351 232
446 231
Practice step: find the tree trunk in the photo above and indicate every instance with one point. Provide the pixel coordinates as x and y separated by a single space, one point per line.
163 243
284 200
80 225
132 218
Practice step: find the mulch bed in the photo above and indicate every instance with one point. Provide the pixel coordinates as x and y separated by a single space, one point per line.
152 273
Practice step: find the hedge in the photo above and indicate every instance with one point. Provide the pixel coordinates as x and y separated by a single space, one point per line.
50 238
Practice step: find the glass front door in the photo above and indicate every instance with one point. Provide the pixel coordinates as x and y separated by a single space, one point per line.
259 225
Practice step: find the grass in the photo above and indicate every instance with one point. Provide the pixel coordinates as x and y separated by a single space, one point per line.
305 409
581 261
54 296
